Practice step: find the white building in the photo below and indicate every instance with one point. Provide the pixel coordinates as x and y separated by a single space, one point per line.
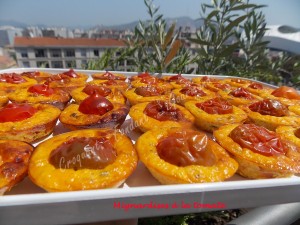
7 35
61 52
283 38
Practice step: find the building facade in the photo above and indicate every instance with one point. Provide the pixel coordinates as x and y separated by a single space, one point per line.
51 52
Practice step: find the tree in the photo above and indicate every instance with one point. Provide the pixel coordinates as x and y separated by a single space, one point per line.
228 27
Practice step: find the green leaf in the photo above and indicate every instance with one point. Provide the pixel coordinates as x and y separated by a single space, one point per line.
199 41
212 14
244 6
234 23
228 50
158 18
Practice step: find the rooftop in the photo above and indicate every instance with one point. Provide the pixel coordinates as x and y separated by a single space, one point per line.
56 42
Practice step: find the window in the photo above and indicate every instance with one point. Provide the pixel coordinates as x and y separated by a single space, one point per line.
40 53
70 53
42 64
83 52
96 52
55 53
71 64
26 64
24 54
57 64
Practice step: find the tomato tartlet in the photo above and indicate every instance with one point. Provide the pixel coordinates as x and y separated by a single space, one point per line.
39 76
261 153
14 162
108 76
68 80
41 93
271 113
118 84
94 112
191 93
10 82
239 96
286 95
157 114
214 113
25 122
112 94
178 156
83 160
147 94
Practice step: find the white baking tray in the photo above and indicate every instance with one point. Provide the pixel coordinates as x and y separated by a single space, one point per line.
28 204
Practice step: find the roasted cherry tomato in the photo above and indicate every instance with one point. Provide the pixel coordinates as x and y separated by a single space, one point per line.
176 77
148 91
41 89
208 79
32 74
95 104
90 153
241 93
256 85
286 92
222 86
162 111
258 139
13 112
109 76
269 107
193 91
216 106
102 90
12 78
71 73
185 148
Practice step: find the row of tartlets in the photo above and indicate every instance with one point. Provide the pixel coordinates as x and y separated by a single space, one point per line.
255 129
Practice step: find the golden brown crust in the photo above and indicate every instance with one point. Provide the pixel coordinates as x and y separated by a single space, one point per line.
50 178
145 123
291 134
72 118
58 99
271 122
254 165
167 173
211 122
39 76
40 125
156 82
3 98
181 98
67 84
237 101
134 98
10 87
119 84
237 82
14 162
115 96
109 76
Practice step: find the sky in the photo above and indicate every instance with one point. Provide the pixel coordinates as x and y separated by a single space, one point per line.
115 12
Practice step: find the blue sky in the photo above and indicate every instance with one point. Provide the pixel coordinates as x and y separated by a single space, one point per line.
113 12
